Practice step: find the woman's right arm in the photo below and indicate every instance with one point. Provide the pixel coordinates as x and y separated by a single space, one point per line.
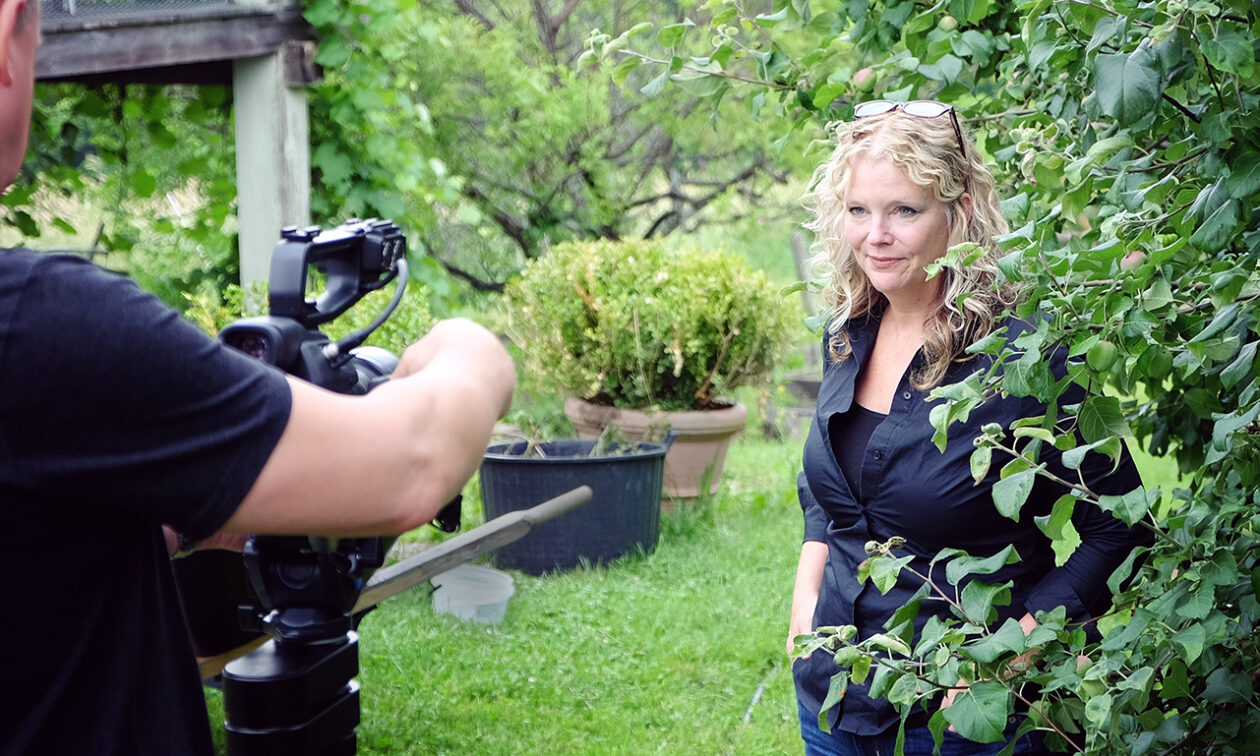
809 575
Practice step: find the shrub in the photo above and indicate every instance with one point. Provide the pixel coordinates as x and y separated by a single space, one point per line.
631 324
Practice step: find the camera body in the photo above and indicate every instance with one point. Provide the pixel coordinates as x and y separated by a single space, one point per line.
308 585
356 258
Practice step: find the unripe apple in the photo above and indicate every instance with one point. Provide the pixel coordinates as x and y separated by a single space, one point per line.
864 80
947 23
1101 355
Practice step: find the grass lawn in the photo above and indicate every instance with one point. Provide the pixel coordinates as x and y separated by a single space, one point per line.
680 651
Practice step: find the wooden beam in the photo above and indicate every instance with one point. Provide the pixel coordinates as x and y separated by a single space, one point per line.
78 47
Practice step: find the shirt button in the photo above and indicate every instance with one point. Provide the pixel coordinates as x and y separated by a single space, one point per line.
906 395
878 454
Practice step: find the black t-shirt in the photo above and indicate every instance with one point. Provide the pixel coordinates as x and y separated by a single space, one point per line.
116 415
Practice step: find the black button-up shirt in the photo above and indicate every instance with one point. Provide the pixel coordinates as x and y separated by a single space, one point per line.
913 490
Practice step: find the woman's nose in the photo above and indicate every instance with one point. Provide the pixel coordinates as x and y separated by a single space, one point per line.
880 231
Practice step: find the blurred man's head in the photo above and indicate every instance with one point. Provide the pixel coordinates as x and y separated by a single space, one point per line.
19 36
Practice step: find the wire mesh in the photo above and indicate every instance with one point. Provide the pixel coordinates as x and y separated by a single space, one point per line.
55 10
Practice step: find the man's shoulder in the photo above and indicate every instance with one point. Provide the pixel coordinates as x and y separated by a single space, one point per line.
21 264
17 261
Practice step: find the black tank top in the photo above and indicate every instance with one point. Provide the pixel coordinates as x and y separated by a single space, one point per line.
849 433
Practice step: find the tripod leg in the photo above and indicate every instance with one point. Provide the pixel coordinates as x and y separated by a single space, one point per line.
293 699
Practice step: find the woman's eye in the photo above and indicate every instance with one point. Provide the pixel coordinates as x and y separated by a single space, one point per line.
906 211
853 210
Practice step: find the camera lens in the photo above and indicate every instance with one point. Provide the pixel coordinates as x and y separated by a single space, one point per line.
255 345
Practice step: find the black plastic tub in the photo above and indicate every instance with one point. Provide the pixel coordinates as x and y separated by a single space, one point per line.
622 517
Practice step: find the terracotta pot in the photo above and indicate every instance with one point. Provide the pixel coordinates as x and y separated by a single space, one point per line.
701 439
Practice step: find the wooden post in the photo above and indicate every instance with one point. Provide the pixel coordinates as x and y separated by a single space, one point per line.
272 157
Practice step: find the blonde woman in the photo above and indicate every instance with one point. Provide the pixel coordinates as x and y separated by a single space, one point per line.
903 184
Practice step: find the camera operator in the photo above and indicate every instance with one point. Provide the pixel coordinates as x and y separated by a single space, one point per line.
117 417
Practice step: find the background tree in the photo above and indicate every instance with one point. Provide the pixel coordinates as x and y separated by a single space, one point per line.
466 122
547 151
1127 142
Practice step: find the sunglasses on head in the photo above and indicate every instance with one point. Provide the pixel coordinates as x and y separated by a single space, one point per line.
918 108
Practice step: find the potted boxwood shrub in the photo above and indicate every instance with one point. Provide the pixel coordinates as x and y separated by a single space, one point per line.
649 339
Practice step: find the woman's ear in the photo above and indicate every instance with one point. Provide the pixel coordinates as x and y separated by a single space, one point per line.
967 206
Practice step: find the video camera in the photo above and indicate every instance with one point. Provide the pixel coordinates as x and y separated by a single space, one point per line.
356 258
307 586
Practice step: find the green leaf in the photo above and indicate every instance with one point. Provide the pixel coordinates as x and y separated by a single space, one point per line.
1102 150
1009 638
1223 319
1244 176
835 691
1128 85
978 599
143 183
623 69
962 566
980 712
861 668
1217 229
884 571
1075 457
1052 524
1225 429
1190 640
1130 507
1175 684
698 83
1101 418
656 85
333 52
889 643
1226 686
1098 709
1198 604
1231 52
1010 493
336 166
980 460
947 69
670 36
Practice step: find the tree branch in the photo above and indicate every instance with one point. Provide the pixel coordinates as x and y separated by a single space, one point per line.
466 7
480 284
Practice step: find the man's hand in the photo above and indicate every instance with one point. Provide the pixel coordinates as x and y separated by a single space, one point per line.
220 540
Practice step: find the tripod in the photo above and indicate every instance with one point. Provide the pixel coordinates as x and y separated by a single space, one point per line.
296 693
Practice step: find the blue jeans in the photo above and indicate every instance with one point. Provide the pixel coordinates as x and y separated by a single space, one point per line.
918 742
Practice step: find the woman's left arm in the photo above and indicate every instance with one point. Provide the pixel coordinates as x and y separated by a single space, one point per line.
1080 584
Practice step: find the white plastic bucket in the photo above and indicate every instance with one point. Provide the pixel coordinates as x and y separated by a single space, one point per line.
473 593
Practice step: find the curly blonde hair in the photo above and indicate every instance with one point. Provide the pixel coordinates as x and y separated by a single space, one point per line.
926 150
